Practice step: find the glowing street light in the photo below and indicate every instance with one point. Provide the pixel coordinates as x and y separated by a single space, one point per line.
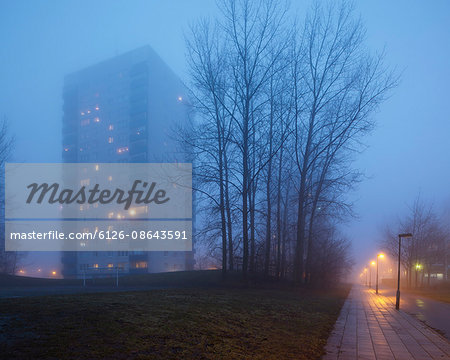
378 256
418 268
400 236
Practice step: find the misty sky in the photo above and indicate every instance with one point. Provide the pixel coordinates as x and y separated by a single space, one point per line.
408 153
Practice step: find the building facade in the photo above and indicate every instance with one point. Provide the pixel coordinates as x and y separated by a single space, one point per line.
123 110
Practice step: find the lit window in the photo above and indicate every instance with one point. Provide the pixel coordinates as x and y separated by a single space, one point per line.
96 167
109 178
89 111
97 108
111 127
110 139
66 149
96 266
141 264
110 265
122 149
111 214
97 119
85 182
82 113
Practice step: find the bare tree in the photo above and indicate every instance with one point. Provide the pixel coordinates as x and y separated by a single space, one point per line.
426 249
337 85
8 259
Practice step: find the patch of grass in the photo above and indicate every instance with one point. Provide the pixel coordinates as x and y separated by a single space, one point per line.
203 278
215 323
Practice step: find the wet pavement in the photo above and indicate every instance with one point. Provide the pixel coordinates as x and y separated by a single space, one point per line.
369 327
434 313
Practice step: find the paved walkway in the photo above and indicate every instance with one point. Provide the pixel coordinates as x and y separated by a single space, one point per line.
369 327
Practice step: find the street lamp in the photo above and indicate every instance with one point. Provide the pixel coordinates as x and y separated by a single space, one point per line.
370 275
400 236
365 270
418 268
378 256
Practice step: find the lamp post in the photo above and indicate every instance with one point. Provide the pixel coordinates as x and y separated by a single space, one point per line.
378 256
400 236
372 263
365 270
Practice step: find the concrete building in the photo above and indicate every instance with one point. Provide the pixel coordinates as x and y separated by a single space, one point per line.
123 110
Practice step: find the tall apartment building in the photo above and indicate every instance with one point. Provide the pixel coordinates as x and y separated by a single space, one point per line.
123 110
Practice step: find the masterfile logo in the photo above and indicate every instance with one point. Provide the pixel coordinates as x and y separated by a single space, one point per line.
39 192
98 207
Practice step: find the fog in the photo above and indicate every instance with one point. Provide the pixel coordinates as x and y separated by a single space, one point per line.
406 154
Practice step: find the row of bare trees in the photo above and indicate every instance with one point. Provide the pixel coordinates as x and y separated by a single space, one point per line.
279 110
425 254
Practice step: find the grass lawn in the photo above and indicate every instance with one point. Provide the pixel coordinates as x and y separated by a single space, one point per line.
206 323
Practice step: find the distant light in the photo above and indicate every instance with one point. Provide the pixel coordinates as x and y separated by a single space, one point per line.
110 139
22 271
97 108
132 212
66 149
180 98
381 255
111 127
96 167
372 263
97 119
53 272
89 111
109 178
